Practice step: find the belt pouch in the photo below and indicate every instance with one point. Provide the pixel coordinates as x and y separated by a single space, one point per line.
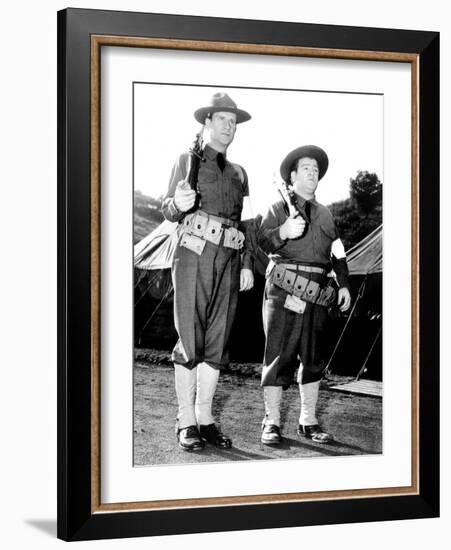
200 223
213 231
288 281
300 285
233 238
326 296
193 243
277 275
311 291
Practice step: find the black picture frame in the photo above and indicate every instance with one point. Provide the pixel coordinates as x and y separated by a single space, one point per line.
78 518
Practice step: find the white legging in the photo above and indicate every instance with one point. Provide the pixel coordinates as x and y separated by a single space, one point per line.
195 389
309 397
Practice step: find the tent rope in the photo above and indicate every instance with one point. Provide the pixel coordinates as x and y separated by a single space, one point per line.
140 278
328 369
168 292
157 274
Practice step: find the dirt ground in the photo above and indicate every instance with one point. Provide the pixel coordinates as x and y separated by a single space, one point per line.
355 421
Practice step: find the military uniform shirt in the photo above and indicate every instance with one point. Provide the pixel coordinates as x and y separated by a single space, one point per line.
313 248
221 194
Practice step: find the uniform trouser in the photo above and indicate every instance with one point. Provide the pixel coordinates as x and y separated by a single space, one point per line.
292 338
205 300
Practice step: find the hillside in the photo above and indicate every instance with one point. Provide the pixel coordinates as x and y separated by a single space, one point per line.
147 215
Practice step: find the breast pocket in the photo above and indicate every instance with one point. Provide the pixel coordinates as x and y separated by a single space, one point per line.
208 187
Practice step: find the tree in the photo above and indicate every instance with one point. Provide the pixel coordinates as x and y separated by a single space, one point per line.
357 216
366 192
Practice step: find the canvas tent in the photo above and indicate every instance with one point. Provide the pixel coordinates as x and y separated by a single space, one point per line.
153 301
359 341
365 258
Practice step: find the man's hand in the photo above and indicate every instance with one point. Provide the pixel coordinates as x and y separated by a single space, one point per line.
292 228
344 299
184 197
246 279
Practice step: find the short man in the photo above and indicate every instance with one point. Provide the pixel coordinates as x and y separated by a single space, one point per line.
297 293
213 260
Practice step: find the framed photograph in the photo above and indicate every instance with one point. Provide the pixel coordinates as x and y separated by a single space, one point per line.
203 288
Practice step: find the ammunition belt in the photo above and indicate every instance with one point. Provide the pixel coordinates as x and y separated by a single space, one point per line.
286 277
209 227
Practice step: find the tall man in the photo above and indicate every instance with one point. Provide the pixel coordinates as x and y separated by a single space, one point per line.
302 249
213 260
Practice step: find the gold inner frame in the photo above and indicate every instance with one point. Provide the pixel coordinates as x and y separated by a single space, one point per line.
97 41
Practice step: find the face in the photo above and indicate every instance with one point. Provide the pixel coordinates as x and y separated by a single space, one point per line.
222 127
305 178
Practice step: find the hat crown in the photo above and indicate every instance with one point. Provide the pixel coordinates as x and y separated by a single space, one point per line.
220 99
310 151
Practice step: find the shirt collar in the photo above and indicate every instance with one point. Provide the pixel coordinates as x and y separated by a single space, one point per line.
301 200
211 153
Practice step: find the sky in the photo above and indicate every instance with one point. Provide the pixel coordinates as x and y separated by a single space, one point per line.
348 126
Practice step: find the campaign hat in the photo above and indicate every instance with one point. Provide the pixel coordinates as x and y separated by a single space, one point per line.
310 151
221 102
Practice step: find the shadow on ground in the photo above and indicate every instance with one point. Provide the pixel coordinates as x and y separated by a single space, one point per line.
354 420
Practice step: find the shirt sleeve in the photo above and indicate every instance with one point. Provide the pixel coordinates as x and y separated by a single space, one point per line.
339 265
245 183
178 173
248 228
269 233
341 270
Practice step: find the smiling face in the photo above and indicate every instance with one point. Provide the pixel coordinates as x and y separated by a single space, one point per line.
305 177
222 128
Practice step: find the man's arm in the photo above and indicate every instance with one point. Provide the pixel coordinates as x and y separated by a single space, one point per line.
340 267
247 226
172 211
276 228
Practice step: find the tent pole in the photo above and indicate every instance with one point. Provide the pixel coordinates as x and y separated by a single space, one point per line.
363 369
327 370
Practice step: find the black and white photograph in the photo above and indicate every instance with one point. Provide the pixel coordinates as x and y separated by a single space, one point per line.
255 274
258 272
172 386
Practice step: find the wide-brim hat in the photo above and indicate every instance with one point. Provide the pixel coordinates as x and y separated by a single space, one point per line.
310 151
221 102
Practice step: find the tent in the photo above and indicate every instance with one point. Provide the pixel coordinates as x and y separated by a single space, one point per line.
354 333
365 258
359 341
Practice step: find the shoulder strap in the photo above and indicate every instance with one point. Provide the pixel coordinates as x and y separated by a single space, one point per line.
239 170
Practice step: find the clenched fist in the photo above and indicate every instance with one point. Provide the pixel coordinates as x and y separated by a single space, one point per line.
293 227
184 196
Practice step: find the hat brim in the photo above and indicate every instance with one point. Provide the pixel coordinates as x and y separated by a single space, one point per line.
310 151
201 114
